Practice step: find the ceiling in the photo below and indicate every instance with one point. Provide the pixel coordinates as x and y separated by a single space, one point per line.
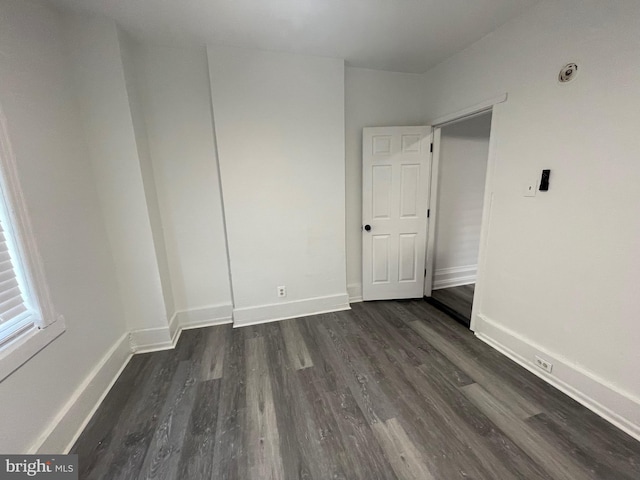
395 35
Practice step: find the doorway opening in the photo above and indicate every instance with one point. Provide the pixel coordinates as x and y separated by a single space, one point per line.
458 181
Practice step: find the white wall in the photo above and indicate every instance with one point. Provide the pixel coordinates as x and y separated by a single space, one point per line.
464 150
108 125
36 95
176 97
562 267
372 99
127 47
561 277
279 122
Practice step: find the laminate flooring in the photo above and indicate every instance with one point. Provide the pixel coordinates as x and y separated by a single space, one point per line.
387 390
459 299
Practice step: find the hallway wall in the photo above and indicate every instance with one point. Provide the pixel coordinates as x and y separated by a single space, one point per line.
464 150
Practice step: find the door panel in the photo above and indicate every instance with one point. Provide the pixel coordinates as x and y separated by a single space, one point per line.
407 257
380 258
411 143
396 168
382 144
381 191
409 191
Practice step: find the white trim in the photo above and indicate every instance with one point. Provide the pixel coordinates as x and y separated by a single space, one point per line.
454 276
68 424
454 282
491 105
29 266
166 338
485 224
429 258
205 316
174 329
615 405
17 352
23 231
455 270
281 311
65 428
479 109
354 290
151 339
473 110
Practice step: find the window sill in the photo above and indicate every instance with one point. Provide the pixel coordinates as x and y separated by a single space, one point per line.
16 353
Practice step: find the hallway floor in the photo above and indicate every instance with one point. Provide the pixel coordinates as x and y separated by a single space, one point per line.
459 299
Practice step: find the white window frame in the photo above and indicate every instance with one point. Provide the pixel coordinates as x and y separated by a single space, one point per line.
42 325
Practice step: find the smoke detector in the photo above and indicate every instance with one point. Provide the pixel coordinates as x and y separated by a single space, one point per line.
568 73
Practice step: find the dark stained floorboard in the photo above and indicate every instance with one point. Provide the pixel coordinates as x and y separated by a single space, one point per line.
100 433
451 418
199 439
163 454
388 390
229 454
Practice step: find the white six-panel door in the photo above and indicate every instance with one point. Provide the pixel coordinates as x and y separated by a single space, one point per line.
395 191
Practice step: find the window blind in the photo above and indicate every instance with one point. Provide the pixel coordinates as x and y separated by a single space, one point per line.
15 317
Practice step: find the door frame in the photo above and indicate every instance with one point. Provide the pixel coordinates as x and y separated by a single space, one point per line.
465 114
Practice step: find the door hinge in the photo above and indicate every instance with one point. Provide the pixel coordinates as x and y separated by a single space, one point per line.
431 150
428 213
425 272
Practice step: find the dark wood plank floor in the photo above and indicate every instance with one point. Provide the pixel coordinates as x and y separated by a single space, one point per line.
387 390
459 299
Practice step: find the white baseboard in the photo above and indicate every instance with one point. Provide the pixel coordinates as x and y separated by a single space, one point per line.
205 317
166 338
174 329
454 277
152 339
620 408
355 292
66 426
243 317
71 420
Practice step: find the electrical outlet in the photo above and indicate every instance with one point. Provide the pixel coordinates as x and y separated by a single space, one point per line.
544 364
282 291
